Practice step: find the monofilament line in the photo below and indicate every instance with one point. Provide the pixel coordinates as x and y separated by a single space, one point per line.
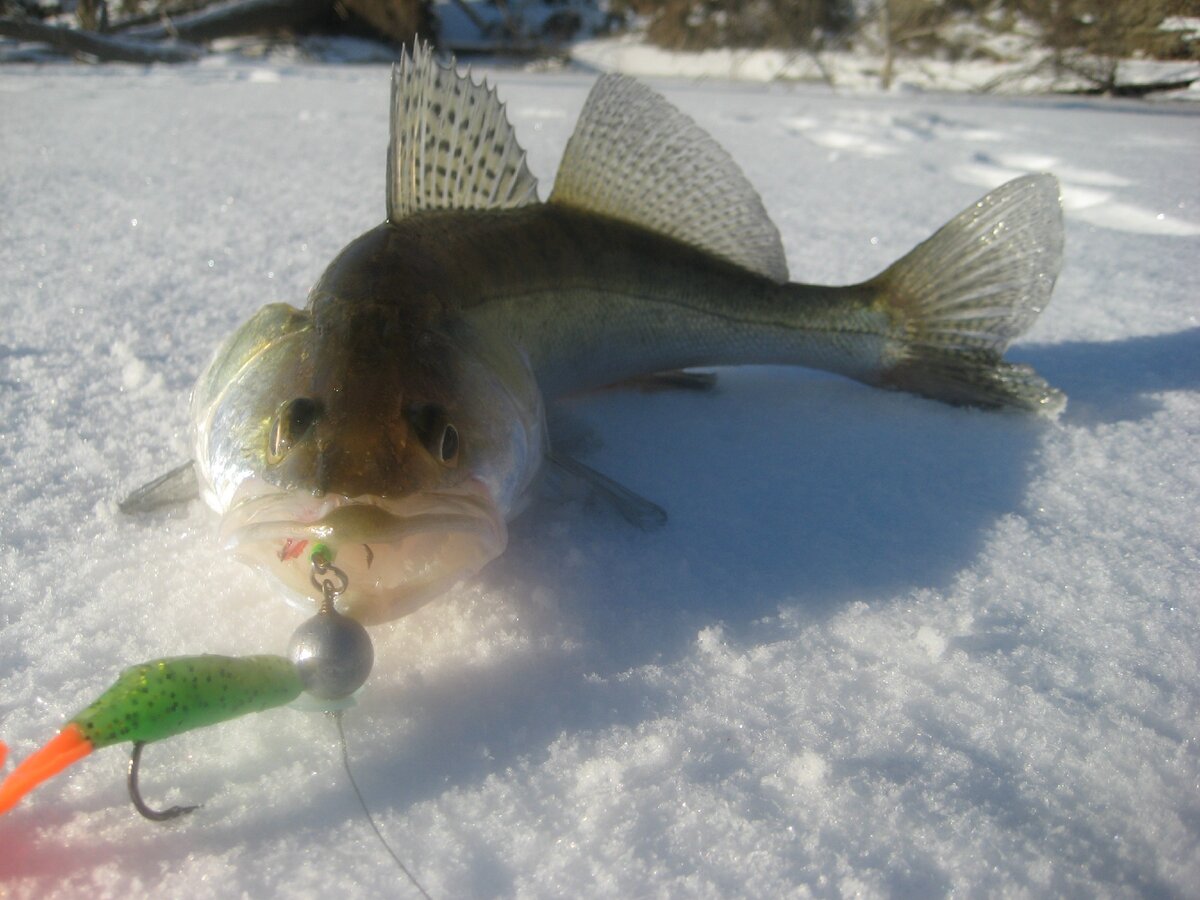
337 717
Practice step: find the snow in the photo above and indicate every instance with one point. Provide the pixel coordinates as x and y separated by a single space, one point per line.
883 647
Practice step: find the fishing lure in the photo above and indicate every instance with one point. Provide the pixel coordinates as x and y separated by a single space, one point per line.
329 657
156 700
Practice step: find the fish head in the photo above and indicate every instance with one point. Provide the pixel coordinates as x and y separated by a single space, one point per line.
394 441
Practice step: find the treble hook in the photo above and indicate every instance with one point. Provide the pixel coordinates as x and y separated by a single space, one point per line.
154 815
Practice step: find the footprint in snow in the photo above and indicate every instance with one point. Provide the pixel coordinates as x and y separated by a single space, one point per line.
873 134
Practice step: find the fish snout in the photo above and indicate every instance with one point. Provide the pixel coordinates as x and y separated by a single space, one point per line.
324 449
358 464
364 448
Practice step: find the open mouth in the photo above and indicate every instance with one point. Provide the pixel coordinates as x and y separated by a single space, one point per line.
397 554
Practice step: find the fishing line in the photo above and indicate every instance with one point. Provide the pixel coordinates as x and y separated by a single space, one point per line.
337 717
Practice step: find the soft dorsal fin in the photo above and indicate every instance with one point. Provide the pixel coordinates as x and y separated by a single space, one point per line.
451 146
636 158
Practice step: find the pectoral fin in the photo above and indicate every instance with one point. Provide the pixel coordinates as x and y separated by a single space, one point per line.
175 487
633 508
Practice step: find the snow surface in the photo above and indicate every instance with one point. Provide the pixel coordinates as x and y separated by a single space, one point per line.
883 647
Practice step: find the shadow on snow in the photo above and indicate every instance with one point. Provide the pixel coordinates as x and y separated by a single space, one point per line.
786 489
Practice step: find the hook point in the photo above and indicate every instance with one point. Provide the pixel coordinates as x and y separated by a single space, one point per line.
135 795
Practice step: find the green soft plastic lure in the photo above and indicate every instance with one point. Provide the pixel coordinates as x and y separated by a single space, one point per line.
156 700
329 656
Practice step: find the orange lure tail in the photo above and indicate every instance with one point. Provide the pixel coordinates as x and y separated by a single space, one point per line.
68 746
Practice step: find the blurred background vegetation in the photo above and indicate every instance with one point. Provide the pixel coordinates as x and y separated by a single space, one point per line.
1111 27
1086 37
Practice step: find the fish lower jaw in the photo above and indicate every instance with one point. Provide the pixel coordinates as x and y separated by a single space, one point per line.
393 563
384 581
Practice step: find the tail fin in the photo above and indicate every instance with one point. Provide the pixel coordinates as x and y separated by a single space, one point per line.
958 299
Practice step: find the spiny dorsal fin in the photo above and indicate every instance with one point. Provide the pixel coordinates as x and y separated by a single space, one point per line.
636 158
451 146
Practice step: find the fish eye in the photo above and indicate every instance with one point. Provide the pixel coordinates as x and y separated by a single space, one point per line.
436 433
292 422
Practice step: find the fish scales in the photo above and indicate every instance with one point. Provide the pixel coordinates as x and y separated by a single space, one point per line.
594 301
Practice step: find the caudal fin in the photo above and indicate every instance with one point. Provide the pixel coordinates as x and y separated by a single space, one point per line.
958 299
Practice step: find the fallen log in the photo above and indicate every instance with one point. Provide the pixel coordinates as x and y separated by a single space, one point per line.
1137 89
147 18
97 45
238 17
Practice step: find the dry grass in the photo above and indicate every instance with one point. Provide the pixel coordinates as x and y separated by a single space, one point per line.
1096 28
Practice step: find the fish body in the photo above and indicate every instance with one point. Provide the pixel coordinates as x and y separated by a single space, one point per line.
398 421
591 301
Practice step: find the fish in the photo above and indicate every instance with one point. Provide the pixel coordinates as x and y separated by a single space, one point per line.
397 423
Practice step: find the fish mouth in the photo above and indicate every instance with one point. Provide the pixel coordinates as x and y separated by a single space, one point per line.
396 553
